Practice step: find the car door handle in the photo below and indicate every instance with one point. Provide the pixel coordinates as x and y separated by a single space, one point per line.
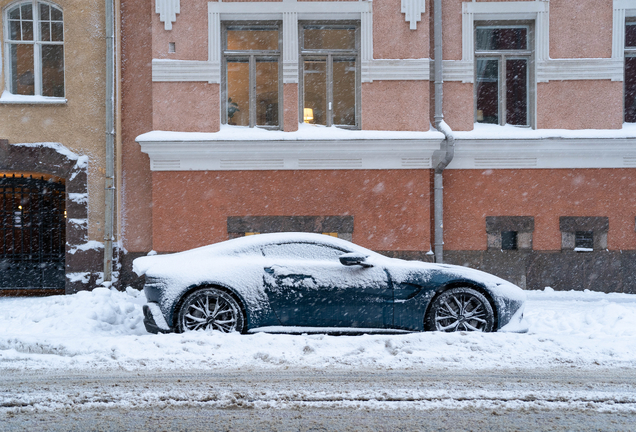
269 270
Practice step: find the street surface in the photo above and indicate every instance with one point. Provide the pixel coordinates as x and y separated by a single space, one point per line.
561 398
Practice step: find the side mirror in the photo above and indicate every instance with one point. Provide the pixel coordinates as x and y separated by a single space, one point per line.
354 258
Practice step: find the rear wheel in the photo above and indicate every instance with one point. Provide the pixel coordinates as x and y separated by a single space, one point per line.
460 309
210 309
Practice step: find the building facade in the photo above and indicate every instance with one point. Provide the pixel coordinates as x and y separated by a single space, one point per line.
52 145
250 117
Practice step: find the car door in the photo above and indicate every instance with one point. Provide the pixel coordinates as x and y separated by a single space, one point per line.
308 286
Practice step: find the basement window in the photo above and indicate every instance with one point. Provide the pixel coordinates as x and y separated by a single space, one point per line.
584 233
509 240
584 241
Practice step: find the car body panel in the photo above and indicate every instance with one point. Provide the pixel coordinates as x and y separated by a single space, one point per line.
296 279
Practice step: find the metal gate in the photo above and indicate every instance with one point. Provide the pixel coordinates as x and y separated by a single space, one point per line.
32 233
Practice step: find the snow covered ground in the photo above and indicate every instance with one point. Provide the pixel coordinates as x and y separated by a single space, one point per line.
104 329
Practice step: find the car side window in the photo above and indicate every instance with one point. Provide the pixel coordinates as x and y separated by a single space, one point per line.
302 251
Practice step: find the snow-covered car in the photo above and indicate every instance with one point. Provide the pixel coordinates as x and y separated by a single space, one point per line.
298 283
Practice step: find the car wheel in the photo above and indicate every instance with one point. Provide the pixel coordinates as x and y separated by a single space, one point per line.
210 309
461 309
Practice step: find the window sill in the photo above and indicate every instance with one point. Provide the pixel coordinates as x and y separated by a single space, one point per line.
11 99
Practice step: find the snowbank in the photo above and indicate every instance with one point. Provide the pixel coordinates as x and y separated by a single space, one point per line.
104 329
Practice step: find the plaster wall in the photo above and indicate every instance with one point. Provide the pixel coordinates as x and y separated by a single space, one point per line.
189 33
458 105
136 118
395 105
544 194
581 29
290 107
392 37
186 106
79 124
590 104
390 208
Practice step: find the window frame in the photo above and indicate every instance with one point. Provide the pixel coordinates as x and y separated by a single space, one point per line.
251 56
629 52
502 56
37 43
329 54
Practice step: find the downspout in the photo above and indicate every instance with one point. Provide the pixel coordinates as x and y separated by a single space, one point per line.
443 156
109 183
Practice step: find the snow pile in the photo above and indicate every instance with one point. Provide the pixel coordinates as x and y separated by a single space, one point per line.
104 329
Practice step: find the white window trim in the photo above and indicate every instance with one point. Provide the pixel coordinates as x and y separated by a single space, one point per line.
8 98
289 12
546 69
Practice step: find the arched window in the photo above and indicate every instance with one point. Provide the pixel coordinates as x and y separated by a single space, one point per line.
34 49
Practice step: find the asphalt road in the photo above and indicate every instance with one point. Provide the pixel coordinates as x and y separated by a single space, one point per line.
320 400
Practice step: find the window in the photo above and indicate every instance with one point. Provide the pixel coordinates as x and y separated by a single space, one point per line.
252 79
509 233
630 72
302 251
34 46
330 74
583 234
502 74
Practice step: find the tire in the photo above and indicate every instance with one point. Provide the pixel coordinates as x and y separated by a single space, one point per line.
460 309
210 309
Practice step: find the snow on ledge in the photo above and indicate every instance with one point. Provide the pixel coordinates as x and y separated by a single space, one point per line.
489 131
89 245
10 98
305 132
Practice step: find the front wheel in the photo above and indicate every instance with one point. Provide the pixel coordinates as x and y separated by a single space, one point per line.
460 309
210 309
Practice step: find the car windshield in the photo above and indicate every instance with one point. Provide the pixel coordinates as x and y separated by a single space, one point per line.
302 251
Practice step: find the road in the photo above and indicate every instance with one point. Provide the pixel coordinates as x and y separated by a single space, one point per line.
320 400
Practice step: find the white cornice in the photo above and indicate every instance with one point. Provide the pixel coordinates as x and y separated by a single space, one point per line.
413 10
470 153
167 10
184 70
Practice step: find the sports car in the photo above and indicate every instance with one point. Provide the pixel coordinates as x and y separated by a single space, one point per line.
302 283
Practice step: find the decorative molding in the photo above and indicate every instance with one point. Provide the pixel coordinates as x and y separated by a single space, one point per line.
482 153
168 10
580 69
366 45
402 70
413 10
290 47
291 155
456 70
547 153
185 70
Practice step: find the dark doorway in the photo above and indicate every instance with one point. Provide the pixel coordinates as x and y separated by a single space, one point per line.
32 233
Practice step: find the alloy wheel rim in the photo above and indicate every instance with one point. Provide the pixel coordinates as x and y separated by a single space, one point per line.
461 312
211 312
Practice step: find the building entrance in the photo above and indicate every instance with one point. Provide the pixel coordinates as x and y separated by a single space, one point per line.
32 233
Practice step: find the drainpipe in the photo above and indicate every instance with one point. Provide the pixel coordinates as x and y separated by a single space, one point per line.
443 156
109 184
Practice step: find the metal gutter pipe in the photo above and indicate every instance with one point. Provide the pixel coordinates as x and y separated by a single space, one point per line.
109 184
443 156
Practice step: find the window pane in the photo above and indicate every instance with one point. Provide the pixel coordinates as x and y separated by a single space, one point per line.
239 40
44 12
56 14
27 30
317 38
14 13
57 31
15 30
27 11
238 93
53 70
501 38
315 92
517 92
344 92
630 89
22 79
267 93
509 240
584 239
45 31
487 91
